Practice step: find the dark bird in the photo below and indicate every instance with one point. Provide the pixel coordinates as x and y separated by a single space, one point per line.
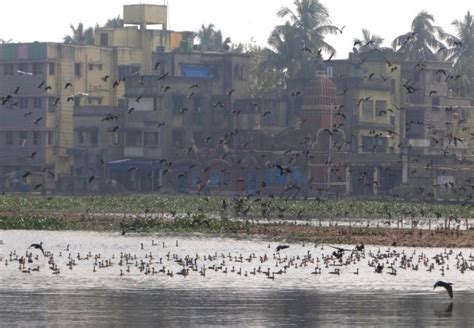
341 29
231 91
116 84
156 66
39 185
163 76
38 120
70 99
48 88
16 90
280 247
56 101
194 86
130 110
160 124
330 57
41 84
91 178
266 113
115 128
328 131
68 85
27 174
38 246
33 154
105 78
165 88
446 285
183 110
139 98
295 93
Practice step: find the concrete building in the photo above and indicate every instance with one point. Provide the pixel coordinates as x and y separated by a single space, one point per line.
42 82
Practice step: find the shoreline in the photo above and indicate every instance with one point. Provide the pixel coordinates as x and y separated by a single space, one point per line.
283 232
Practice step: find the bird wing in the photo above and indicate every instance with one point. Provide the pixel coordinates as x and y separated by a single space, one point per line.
449 289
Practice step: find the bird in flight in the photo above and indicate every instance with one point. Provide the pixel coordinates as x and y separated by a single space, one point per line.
38 246
280 247
446 285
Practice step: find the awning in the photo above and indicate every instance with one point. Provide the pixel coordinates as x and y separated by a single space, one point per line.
139 164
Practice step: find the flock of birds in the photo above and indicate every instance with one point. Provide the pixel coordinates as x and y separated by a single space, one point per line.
302 149
161 259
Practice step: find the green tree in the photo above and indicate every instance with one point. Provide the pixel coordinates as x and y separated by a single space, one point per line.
297 46
423 40
80 36
368 42
115 22
211 39
461 44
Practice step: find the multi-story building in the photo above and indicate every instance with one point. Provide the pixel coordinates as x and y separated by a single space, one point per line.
42 82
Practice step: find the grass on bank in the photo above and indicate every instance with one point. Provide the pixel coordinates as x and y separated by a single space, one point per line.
26 205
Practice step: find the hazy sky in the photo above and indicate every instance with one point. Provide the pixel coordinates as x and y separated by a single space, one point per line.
48 20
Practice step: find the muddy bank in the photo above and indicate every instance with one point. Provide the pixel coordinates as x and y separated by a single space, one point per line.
276 231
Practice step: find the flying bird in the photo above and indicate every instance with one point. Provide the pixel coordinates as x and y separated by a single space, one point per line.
446 285
280 247
38 246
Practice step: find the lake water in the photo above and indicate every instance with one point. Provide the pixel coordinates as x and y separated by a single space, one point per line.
120 295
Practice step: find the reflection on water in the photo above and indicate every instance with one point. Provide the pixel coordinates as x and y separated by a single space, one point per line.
78 296
183 307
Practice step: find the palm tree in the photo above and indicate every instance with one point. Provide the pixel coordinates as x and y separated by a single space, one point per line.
311 19
462 44
80 37
368 42
4 41
422 42
115 22
211 39
284 50
298 45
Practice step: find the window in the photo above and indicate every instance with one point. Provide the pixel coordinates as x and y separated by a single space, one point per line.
380 105
23 67
104 39
91 67
151 138
51 106
23 103
36 137
178 103
329 72
81 137
133 138
99 67
368 110
373 144
23 138
115 138
435 103
77 69
178 137
93 135
37 68
50 137
8 69
37 103
52 68
9 138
